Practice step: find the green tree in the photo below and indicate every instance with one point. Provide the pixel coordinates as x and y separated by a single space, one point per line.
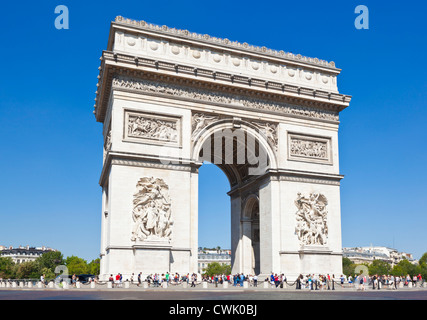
76 265
348 266
404 267
214 268
50 260
94 267
379 267
28 270
48 273
7 268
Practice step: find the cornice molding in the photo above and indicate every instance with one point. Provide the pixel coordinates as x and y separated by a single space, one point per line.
306 177
273 93
147 161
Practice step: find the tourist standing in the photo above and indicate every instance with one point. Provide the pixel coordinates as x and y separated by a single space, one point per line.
193 280
42 280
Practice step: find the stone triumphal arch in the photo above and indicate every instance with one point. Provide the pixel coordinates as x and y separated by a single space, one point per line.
169 100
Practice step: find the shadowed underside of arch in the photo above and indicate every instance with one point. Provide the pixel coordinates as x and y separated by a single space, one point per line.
238 152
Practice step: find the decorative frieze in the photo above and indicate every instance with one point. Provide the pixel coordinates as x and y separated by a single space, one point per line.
230 100
152 128
151 211
311 219
309 148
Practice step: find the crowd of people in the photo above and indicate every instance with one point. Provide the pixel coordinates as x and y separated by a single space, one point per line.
155 279
393 282
309 281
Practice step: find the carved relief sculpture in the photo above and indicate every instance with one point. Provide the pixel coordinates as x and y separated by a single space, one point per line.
307 148
201 121
107 143
151 210
152 128
311 219
269 131
310 148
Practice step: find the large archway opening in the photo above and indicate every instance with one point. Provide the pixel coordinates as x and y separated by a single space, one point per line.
241 154
214 208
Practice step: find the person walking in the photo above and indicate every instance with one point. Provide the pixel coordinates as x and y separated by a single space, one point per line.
393 282
362 282
193 280
139 279
117 280
73 280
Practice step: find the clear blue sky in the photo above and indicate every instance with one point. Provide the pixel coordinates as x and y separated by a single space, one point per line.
51 145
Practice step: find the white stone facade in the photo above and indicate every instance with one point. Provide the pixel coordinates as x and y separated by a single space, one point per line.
361 255
162 95
23 254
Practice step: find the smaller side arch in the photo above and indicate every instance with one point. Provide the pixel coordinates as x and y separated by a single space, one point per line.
251 204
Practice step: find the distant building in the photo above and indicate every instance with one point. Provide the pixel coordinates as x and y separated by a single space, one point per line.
360 255
23 254
207 256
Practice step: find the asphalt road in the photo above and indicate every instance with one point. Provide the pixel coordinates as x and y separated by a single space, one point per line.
208 304
206 295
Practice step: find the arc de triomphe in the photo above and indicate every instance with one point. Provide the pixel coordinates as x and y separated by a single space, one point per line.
170 99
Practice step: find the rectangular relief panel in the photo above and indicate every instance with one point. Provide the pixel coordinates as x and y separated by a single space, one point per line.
309 148
152 128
